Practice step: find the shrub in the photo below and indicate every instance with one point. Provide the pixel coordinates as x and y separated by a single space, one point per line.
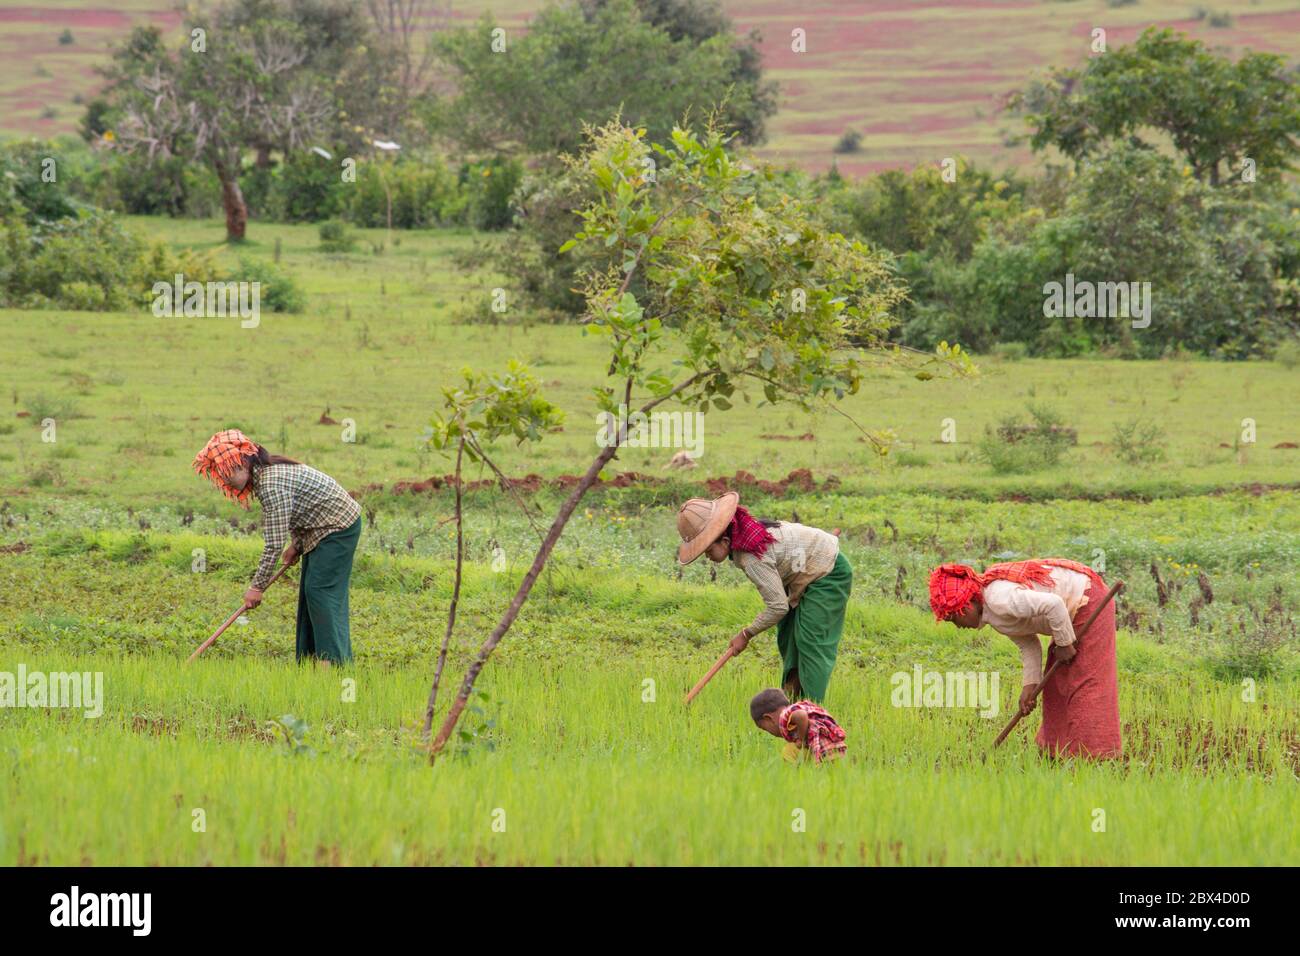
424 193
1139 442
59 407
335 236
87 261
24 191
542 280
92 262
279 292
45 475
1018 448
1288 354
310 187
1253 648
850 141
160 264
488 189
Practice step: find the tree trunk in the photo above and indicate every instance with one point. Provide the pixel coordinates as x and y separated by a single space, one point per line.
544 552
455 597
232 198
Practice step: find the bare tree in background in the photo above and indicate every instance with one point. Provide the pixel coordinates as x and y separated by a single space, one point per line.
246 88
406 26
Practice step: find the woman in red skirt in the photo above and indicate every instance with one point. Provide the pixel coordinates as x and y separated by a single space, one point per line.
1051 596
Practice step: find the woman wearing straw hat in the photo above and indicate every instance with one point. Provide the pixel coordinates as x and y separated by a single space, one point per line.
311 513
800 573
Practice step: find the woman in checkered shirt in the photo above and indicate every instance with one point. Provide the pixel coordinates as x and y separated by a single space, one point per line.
307 514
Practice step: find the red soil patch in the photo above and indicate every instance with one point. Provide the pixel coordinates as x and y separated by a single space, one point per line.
800 479
91 19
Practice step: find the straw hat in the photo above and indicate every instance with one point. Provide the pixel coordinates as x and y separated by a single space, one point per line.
701 522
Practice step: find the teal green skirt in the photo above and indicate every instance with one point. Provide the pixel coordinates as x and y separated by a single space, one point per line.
323 629
809 636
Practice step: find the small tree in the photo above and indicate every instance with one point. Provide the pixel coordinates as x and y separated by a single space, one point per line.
483 410
765 306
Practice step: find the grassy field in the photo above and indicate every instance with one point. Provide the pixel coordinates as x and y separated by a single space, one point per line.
574 753
136 396
585 770
920 79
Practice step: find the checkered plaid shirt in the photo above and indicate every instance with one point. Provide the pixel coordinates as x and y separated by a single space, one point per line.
825 737
300 501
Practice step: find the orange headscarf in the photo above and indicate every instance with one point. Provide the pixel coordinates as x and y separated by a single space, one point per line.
954 586
224 452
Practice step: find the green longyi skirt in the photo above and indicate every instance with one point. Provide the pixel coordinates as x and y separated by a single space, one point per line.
809 636
323 629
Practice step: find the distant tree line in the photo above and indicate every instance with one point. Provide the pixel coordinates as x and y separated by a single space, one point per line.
1162 162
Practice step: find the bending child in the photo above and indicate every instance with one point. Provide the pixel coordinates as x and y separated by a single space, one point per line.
805 725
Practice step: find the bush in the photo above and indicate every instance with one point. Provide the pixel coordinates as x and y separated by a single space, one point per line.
918 211
1010 351
424 193
46 474
1017 448
279 292
92 262
1139 442
59 407
543 282
1253 648
88 261
335 236
1217 267
488 189
24 189
1288 354
850 141
310 187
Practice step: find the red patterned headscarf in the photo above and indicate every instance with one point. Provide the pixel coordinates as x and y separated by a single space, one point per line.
224 452
954 586
747 533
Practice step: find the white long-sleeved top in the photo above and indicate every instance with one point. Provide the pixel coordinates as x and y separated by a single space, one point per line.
1024 611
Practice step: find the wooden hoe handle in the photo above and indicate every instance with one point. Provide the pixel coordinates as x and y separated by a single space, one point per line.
231 620
1110 595
727 655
